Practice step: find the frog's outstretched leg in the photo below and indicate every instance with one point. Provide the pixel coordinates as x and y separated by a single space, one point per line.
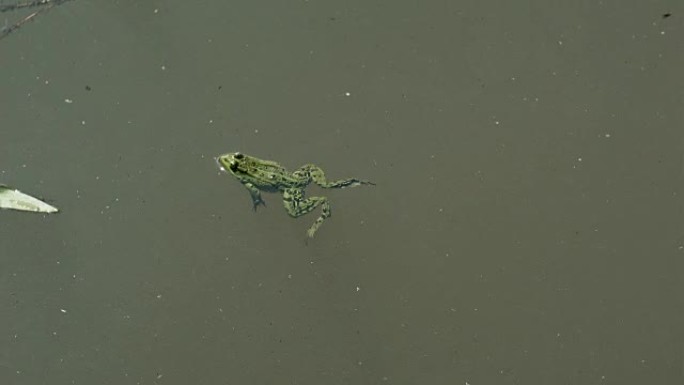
318 176
296 205
255 194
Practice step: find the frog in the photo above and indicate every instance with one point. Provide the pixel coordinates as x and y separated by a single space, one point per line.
259 175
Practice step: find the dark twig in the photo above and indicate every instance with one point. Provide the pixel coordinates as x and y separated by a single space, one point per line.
44 6
30 4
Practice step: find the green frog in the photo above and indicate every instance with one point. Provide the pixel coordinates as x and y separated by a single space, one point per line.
265 175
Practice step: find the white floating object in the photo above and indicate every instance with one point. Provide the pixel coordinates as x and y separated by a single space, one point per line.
17 200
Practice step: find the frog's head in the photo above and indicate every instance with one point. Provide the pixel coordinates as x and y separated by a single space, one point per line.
231 161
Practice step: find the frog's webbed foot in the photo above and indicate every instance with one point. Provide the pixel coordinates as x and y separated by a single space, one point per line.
312 231
256 195
258 201
353 182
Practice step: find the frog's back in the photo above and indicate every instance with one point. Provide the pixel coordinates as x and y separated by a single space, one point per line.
268 175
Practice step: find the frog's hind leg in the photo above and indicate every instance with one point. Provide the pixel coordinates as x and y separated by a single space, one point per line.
296 205
318 177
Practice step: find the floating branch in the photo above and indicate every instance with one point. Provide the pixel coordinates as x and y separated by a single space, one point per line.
16 200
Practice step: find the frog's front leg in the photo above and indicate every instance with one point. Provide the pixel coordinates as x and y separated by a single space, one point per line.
296 205
315 173
255 194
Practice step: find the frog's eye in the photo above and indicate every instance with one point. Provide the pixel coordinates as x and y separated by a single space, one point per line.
239 155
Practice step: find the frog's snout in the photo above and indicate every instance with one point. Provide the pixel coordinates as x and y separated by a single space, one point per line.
218 163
